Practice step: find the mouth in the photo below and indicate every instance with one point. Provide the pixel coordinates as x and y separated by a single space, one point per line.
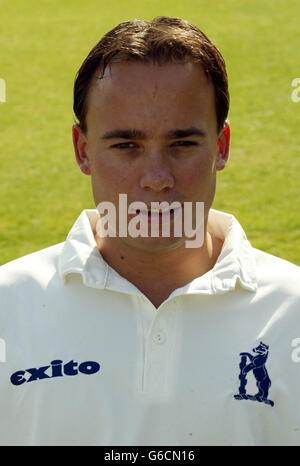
161 214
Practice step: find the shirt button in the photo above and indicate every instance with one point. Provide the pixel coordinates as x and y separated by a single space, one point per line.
159 337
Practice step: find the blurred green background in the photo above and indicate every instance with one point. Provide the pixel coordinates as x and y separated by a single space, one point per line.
42 45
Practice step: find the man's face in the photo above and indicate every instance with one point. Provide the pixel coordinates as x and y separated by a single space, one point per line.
152 134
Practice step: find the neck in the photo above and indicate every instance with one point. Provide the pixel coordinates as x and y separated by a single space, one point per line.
156 275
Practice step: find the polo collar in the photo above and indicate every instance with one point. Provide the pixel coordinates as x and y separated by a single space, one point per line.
234 268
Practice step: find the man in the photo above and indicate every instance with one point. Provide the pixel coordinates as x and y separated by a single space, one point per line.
120 339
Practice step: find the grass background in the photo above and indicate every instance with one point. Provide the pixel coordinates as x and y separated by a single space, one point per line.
42 45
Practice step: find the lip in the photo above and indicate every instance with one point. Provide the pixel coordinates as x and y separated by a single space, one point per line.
149 205
161 215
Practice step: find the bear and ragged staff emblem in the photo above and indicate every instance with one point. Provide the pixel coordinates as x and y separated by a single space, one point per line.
257 364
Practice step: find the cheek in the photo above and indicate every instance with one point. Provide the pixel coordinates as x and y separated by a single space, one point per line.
198 181
197 172
109 178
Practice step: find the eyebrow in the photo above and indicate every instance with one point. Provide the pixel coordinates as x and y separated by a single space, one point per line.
137 134
124 134
186 132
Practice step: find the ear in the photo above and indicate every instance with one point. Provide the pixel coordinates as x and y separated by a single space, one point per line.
80 144
223 144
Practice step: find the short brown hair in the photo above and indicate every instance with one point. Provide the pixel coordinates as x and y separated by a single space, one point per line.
162 40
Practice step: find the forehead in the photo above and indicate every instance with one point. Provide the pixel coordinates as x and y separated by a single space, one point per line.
149 90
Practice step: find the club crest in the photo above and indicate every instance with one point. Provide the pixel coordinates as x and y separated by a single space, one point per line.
257 364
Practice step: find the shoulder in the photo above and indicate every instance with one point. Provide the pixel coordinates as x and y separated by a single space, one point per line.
37 266
277 273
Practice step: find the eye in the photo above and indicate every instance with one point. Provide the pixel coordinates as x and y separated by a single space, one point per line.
124 145
184 143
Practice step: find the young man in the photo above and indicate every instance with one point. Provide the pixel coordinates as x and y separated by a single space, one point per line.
120 339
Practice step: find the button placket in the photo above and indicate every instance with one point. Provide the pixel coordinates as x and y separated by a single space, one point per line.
159 344
145 318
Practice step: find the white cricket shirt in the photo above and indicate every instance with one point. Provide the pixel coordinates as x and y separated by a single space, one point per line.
90 361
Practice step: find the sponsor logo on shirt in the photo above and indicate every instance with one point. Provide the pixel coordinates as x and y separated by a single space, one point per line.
56 368
257 364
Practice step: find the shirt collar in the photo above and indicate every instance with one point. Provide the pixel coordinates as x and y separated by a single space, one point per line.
235 266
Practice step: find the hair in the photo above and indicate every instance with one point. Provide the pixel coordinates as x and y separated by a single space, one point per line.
160 41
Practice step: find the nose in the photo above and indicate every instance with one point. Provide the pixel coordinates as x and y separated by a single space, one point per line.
157 172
